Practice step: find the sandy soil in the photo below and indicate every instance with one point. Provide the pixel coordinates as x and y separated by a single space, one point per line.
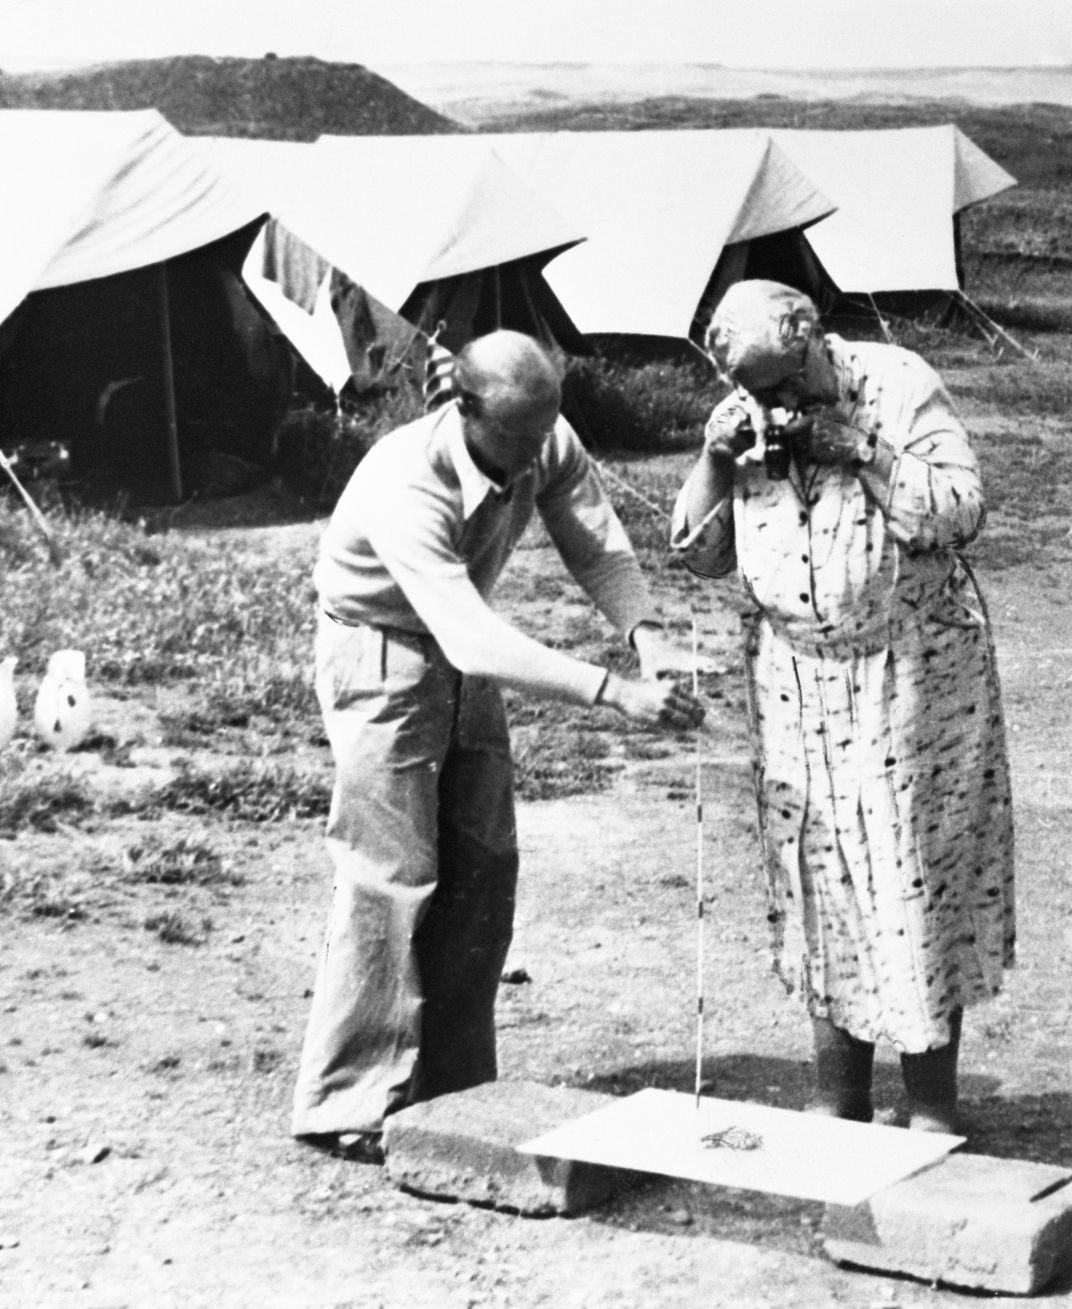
144 1086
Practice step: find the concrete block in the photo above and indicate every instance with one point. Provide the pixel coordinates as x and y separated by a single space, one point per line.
463 1147
970 1221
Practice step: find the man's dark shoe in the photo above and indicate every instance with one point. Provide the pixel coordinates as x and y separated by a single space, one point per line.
358 1147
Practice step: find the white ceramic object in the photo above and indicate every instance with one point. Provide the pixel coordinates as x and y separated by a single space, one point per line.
8 708
62 708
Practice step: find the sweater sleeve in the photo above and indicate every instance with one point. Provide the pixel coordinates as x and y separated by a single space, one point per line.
425 565
590 537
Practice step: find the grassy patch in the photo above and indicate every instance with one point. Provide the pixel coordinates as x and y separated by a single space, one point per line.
36 802
1022 389
151 610
176 928
183 862
247 792
284 702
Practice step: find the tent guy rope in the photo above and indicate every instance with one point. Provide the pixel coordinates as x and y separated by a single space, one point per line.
39 519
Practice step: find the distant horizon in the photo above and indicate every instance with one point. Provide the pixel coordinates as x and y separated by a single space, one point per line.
837 70
782 35
474 91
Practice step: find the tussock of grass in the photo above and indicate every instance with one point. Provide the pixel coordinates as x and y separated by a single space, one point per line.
34 802
284 701
247 793
49 894
182 862
266 1059
176 928
540 778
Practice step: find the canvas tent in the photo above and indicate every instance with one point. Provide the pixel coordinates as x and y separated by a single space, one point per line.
674 217
460 241
410 231
888 226
125 328
899 193
662 211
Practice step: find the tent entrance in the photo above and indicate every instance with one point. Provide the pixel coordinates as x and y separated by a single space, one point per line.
154 375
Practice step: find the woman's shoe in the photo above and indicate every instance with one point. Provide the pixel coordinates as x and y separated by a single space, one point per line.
930 1080
843 1068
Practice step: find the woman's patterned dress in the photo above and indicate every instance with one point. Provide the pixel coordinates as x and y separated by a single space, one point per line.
881 768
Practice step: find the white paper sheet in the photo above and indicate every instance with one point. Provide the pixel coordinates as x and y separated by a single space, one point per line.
750 1146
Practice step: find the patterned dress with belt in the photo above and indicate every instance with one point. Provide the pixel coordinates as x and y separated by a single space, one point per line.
881 770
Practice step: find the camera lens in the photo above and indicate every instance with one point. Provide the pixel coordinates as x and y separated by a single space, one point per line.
776 457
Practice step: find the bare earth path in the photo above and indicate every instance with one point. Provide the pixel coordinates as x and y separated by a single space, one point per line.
144 1086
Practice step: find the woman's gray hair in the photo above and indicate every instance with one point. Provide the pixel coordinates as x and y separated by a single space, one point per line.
760 329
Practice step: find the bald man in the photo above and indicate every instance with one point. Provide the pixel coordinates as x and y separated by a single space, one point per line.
410 659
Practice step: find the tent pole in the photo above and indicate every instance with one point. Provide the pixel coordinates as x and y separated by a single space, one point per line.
174 465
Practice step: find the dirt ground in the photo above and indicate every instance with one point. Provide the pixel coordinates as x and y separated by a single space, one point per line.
144 1086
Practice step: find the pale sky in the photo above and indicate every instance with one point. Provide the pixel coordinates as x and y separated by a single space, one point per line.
738 33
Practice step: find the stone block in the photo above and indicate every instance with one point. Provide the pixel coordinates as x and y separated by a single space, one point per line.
464 1147
969 1221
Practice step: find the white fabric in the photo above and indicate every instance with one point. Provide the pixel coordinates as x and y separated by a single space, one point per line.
316 336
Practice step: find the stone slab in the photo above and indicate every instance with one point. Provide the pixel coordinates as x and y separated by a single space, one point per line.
969 1221
463 1147
752 1147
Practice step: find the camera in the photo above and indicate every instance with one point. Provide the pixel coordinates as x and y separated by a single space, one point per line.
776 452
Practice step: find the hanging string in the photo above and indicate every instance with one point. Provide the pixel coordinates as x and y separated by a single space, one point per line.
699 870
643 499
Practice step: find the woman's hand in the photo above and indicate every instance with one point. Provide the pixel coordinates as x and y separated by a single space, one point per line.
824 440
729 433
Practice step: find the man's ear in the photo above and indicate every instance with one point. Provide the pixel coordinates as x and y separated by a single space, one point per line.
468 404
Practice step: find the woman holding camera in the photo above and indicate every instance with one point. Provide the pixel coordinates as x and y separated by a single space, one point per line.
838 480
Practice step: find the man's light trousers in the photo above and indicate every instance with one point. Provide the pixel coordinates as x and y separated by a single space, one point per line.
423 842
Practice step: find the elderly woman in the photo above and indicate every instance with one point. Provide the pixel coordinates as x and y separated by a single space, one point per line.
837 479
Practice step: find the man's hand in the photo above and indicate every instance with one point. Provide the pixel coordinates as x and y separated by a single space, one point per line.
653 704
729 433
